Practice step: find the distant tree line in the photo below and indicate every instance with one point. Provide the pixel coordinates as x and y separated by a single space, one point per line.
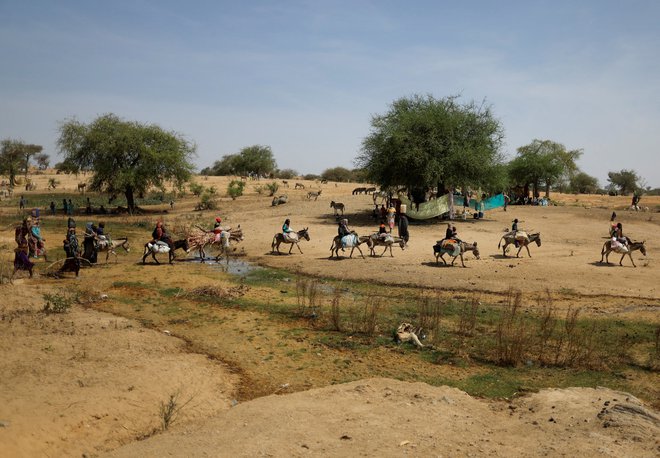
421 142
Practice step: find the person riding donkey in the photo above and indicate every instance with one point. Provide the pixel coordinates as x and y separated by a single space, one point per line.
345 234
514 231
619 241
288 233
103 238
161 237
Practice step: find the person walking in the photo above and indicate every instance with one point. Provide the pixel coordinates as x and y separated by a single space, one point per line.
403 226
21 203
52 208
391 216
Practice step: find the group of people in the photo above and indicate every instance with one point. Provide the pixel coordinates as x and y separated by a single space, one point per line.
30 244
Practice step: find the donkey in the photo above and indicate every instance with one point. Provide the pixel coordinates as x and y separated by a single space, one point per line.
112 245
337 206
279 200
379 196
299 186
235 235
509 239
355 242
313 194
81 187
632 246
375 240
279 239
153 248
464 247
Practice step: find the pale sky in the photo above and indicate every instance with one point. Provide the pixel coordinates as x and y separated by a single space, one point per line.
305 77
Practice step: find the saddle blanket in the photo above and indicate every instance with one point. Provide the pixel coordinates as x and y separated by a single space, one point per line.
450 247
159 247
349 241
618 247
522 236
385 238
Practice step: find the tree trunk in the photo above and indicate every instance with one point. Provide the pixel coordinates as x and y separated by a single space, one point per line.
130 200
547 190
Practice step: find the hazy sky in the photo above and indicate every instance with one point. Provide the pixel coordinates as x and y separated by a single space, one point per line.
305 77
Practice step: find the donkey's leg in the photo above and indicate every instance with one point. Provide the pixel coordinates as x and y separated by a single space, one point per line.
360 250
528 253
299 249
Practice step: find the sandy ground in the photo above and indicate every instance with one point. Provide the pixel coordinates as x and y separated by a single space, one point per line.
88 382
383 417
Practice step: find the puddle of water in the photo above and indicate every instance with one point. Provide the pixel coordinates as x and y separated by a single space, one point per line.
235 266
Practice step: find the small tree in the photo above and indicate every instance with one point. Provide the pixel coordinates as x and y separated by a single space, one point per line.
337 174
42 160
15 158
208 199
235 189
196 189
543 162
286 174
272 188
626 181
583 183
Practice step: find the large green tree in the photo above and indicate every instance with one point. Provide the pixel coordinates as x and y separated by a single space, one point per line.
126 157
15 158
422 142
626 181
543 162
251 159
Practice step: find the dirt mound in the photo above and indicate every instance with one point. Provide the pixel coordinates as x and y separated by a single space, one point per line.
384 417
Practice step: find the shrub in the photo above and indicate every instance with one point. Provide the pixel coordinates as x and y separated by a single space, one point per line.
235 189
272 188
209 199
57 303
196 189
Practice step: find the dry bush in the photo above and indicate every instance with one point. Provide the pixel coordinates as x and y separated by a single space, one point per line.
430 314
216 292
512 337
335 312
467 319
547 324
307 298
364 317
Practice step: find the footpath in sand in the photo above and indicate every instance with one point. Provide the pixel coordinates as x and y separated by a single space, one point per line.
383 417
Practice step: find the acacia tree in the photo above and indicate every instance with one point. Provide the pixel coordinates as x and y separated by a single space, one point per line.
42 160
256 159
625 180
422 142
126 157
583 183
251 159
15 158
543 162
